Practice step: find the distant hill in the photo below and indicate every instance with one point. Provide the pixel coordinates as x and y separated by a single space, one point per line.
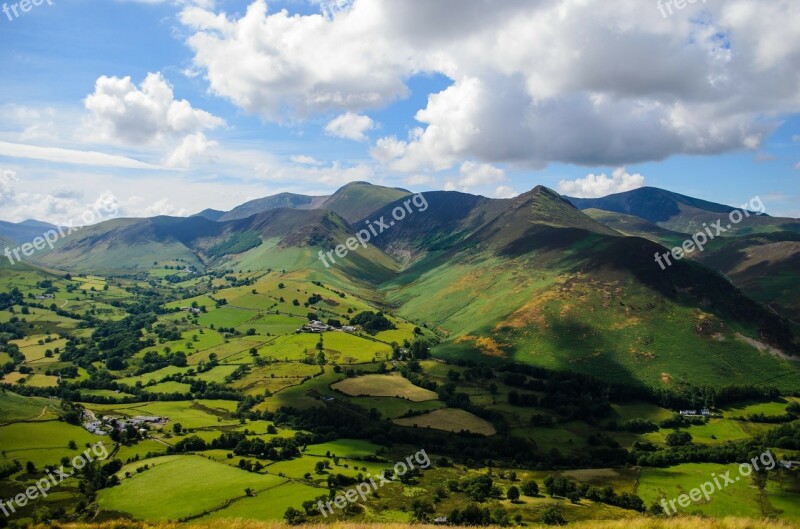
210 214
357 200
680 213
282 200
351 202
24 231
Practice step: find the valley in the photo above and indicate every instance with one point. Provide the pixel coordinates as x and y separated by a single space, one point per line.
517 342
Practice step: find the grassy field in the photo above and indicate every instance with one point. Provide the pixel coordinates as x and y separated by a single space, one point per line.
738 499
43 442
384 386
353 448
196 485
449 420
14 408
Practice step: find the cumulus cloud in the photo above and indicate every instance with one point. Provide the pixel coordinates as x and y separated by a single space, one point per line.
594 186
303 159
418 180
192 146
505 192
478 174
295 66
350 126
388 149
122 112
164 207
8 178
526 89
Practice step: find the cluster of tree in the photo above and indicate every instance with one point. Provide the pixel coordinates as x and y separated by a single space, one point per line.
65 372
12 350
786 436
9 299
238 374
372 322
118 340
152 361
644 453
313 299
474 515
567 488
275 449
535 378
634 426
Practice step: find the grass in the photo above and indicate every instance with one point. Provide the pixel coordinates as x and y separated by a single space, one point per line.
195 485
14 408
384 386
603 325
393 407
450 420
169 387
43 442
352 448
738 499
268 505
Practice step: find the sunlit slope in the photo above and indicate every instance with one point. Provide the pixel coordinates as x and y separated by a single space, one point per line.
531 287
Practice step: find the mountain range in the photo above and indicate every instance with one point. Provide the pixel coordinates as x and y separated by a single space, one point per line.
557 282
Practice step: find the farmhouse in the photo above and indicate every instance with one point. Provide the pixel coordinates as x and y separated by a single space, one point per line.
315 326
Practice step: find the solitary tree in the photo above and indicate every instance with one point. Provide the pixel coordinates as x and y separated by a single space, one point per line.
513 494
531 488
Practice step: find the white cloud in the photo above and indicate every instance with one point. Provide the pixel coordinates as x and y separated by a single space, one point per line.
192 147
332 175
8 178
350 126
505 192
526 89
72 156
594 186
295 66
303 159
475 174
122 112
164 207
418 180
388 149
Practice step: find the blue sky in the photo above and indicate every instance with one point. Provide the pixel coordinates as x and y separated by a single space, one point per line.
427 100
